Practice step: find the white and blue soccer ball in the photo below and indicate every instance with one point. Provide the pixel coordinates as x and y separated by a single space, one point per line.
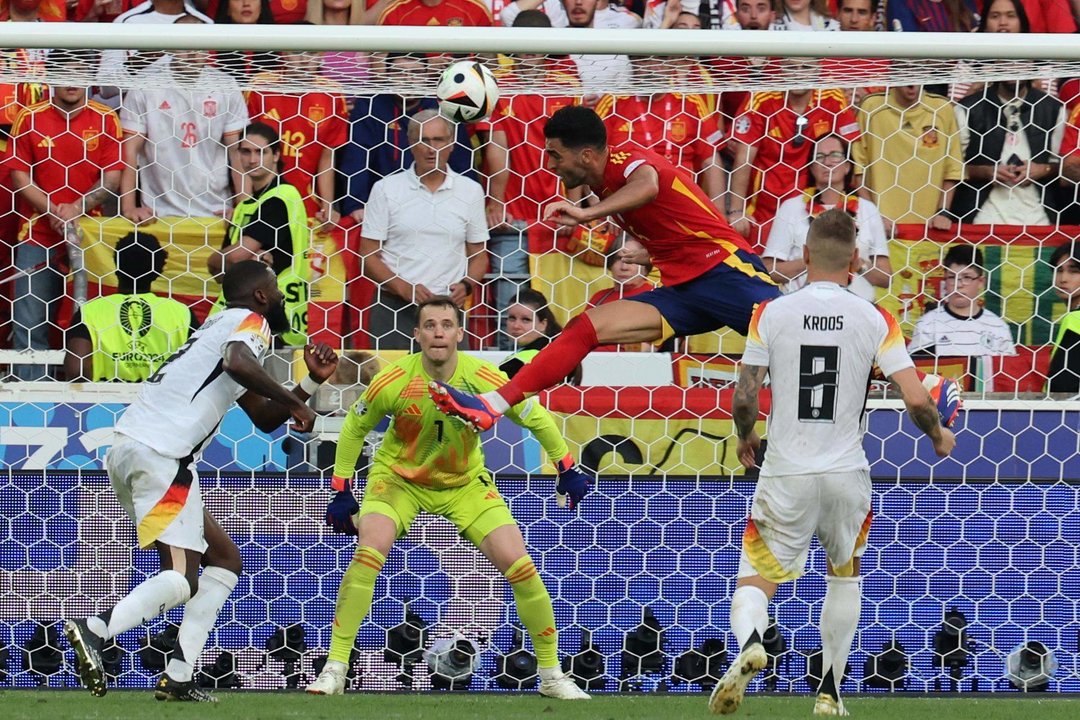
467 92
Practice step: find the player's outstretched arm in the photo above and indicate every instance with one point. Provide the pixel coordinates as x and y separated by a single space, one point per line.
923 410
361 420
744 412
640 189
268 403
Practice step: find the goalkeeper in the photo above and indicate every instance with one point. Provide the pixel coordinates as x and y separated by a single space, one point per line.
430 462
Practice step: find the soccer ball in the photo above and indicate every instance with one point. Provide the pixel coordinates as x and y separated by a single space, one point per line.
467 92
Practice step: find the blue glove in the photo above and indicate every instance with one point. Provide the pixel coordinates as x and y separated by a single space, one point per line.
342 507
573 485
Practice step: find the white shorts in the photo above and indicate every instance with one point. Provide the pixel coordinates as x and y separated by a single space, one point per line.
160 494
788 511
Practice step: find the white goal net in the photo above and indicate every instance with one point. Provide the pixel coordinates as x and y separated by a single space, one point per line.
955 155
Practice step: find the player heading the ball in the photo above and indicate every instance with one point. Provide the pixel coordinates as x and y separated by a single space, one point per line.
430 462
818 346
152 469
711 277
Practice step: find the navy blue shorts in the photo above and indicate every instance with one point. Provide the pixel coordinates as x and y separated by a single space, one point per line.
723 297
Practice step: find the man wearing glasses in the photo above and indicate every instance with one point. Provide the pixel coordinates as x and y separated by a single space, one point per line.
960 326
773 139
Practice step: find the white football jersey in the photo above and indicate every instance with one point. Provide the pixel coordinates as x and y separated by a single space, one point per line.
184 165
182 404
820 344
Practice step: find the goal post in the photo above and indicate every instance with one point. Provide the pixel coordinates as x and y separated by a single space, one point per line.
989 533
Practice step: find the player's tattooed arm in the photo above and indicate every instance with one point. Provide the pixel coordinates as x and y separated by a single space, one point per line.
926 418
744 407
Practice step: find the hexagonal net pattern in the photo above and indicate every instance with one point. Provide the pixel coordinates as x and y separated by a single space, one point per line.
960 177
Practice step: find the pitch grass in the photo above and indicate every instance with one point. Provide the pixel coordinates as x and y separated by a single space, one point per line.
64 704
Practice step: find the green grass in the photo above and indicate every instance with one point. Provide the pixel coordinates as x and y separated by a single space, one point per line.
61 704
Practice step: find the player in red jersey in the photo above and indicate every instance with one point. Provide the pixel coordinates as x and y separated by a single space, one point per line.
711 277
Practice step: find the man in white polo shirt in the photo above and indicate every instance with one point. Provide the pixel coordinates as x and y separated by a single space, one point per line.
960 326
424 233
181 135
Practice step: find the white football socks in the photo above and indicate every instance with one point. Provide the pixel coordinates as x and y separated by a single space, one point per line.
749 613
149 599
200 614
839 618
496 401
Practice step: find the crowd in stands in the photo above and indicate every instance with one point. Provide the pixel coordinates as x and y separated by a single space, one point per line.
424 206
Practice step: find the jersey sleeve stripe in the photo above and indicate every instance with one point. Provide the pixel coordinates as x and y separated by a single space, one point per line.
894 335
754 332
380 383
491 376
256 324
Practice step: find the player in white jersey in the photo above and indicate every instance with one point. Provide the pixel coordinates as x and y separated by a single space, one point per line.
819 346
152 469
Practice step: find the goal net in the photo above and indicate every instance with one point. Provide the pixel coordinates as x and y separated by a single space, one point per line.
943 144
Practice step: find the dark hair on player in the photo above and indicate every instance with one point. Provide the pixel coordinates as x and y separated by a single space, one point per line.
532 18
140 259
243 279
441 301
542 311
1025 22
1070 250
964 256
577 127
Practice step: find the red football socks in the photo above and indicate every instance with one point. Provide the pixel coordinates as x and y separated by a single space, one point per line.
553 363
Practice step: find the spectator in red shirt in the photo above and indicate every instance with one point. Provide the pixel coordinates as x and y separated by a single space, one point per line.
1049 16
311 125
65 163
520 183
468 13
682 128
772 141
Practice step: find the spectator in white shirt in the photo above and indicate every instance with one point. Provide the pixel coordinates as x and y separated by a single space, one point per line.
831 172
423 234
805 16
178 140
116 65
960 326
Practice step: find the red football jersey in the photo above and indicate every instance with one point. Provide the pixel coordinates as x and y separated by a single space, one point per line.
307 124
522 117
785 143
469 13
684 233
65 156
1070 139
679 127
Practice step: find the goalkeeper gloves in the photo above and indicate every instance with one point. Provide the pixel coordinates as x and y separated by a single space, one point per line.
573 485
342 507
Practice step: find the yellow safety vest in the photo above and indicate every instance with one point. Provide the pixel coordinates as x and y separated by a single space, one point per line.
294 281
132 335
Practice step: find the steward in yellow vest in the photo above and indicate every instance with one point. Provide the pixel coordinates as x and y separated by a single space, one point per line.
271 225
128 335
